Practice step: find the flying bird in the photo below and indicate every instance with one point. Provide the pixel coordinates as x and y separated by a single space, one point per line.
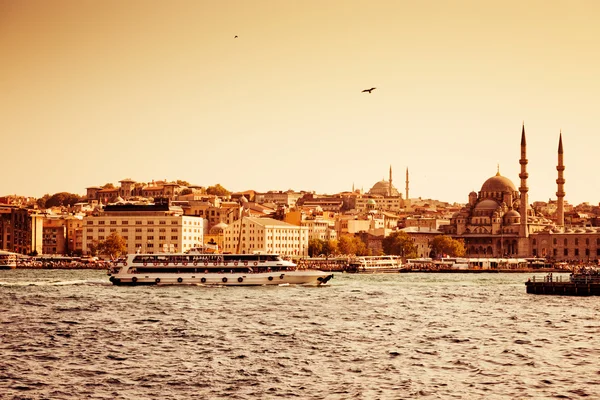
369 90
235 37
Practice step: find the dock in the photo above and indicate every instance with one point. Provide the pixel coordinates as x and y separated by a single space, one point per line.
586 285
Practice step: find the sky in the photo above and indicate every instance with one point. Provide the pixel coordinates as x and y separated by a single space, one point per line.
93 92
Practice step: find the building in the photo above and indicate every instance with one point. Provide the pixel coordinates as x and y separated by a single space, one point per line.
268 235
499 222
21 230
148 228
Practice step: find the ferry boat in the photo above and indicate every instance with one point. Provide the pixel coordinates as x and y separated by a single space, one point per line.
375 264
195 267
8 260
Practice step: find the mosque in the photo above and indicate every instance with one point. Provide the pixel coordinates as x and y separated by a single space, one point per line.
498 221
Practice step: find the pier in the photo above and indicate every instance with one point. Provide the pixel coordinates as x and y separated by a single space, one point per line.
574 285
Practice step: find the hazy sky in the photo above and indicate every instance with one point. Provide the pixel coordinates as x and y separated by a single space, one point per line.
98 91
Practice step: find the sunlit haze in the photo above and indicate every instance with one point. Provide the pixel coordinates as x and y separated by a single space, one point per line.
93 92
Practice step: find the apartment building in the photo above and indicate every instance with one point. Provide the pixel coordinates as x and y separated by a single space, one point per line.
268 235
148 228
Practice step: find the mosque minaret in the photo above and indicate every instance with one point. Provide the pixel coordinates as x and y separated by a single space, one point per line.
560 194
390 188
523 189
406 198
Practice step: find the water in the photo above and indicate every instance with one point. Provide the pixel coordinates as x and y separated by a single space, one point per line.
69 334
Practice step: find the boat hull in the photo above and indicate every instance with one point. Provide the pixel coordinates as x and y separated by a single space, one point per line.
306 277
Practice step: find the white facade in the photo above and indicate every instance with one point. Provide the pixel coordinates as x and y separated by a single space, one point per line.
320 229
146 232
265 235
394 204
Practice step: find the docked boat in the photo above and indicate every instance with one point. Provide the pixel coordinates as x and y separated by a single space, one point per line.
8 260
375 264
197 268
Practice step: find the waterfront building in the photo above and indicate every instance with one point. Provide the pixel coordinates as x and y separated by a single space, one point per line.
62 234
250 234
148 228
21 230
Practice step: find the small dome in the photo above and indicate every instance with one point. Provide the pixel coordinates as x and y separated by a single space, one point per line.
498 183
371 202
512 214
487 204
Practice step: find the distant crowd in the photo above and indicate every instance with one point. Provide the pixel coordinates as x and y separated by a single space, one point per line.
43 264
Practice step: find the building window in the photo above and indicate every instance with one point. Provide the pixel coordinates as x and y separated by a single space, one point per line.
138 229
150 237
124 230
113 222
173 237
576 252
576 242
92 223
565 243
150 222
138 238
162 238
100 222
162 222
138 222
124 222
566 252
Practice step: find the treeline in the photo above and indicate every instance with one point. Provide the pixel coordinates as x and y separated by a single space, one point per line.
58 200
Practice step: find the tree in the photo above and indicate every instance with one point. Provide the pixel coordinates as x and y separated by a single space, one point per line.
93 247
182 183
108 186
315 247
218 190
61 199
444 245
114 245
186 191
41 202
330 247
399 243
352 245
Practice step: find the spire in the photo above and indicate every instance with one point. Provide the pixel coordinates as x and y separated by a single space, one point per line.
560 182
523 189
498 170
560 148
390 188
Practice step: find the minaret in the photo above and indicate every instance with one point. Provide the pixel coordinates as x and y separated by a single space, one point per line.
560 194
406 183
524 231
390 188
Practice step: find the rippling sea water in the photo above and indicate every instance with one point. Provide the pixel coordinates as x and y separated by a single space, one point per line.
70 334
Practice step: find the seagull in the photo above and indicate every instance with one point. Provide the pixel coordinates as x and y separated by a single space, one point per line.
369 90
235 37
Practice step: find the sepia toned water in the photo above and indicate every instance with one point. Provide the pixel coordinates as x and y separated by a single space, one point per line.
71 335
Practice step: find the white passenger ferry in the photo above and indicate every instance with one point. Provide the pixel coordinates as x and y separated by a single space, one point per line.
8 260
375 264
195 267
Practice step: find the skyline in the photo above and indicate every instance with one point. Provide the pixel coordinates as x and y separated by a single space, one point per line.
96 92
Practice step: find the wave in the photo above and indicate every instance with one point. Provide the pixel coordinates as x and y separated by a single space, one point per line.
56 283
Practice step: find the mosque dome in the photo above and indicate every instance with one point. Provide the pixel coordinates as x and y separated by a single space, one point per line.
487 204
371 202
498 183
512 214
383 188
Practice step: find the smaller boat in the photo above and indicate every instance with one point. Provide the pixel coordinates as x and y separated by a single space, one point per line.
198 268
375 264
8 260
